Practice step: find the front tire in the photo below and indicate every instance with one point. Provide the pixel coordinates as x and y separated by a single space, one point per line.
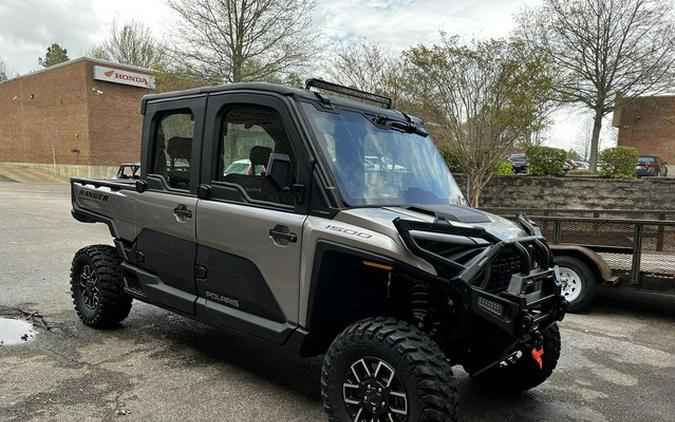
97 287
525 373
579 285
382 369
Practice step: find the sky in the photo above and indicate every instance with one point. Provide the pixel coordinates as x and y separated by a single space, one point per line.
28 27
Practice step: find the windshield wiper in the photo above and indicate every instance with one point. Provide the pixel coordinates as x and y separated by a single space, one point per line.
406 127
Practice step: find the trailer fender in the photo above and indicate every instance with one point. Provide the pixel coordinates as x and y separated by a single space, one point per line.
596 263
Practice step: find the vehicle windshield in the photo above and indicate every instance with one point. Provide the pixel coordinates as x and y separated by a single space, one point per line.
380 166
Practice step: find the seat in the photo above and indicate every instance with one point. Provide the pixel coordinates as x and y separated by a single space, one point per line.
179 148
257 187
259 156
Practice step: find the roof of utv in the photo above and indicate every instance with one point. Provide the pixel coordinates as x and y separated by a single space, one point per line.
277 89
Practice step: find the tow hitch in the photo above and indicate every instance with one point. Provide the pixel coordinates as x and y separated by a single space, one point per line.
538 350
537 354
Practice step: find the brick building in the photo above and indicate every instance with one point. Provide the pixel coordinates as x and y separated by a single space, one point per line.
79 117
648 124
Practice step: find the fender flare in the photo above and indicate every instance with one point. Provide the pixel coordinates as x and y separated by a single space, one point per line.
596 263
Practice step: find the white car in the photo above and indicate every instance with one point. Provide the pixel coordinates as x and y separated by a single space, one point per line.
243 167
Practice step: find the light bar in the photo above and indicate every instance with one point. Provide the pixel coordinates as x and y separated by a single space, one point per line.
351 92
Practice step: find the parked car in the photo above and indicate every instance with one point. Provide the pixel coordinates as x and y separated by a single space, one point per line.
374 163
570 165
518 162
582 165
243 167
651 165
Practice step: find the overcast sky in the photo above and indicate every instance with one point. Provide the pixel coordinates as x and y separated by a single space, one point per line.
27 27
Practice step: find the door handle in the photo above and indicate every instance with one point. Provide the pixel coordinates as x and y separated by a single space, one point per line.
182 212
282 235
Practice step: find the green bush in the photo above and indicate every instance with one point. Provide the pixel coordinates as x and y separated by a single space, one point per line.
581 172
545 161
504 169
452 161
619 162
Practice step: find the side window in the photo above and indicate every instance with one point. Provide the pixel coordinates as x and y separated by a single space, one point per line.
249 135
172 150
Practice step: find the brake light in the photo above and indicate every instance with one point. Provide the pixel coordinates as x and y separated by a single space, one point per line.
650 165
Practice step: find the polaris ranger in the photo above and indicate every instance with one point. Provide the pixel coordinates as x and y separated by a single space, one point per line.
345 235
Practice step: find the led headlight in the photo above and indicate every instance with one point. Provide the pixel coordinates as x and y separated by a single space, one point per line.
491 306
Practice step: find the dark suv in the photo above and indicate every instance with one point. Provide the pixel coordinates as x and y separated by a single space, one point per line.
651 165
518 162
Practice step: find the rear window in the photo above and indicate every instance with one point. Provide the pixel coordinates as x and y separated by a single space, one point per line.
645 160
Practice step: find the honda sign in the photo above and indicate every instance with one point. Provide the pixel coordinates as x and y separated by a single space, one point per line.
125 77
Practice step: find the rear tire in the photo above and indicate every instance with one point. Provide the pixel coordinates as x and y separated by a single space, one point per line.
97 287
579 283
382 367
525 373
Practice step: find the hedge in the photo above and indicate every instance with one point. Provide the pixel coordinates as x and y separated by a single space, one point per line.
504 169
545 161
619 162
451 160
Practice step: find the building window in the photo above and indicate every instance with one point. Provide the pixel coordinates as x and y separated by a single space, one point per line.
173 149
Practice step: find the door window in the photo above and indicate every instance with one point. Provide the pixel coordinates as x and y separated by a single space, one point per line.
173 149
249 135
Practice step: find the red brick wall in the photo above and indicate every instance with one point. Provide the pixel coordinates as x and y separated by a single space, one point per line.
648 124
58 107
114 121
41 110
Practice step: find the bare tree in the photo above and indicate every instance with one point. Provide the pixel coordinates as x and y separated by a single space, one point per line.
604 50
238 40
132 44
584 135
368 67
3 71
478 100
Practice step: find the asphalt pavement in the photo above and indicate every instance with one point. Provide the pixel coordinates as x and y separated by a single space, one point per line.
617 364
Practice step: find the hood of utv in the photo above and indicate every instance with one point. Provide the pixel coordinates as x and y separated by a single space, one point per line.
382 219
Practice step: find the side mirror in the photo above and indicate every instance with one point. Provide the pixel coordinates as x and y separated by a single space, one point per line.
279 171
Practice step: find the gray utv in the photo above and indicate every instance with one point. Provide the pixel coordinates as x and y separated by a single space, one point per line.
327 225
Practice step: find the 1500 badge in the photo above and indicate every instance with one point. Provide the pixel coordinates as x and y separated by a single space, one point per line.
362 235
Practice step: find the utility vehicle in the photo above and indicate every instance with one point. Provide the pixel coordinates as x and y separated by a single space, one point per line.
383 268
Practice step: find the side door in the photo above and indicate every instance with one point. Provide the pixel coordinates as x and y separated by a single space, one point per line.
249 232
166 210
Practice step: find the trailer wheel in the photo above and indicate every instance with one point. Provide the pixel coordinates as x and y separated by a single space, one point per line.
578 282
97 287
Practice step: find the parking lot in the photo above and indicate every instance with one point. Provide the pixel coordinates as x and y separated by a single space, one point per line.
617 364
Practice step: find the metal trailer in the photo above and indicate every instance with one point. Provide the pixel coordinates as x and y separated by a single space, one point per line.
618 248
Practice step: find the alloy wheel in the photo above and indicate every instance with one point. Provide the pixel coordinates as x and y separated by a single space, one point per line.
89 287
373 392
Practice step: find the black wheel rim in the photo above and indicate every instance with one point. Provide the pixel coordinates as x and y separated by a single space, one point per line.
89 287
373 392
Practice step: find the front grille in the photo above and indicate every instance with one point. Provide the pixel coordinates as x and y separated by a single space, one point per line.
502 268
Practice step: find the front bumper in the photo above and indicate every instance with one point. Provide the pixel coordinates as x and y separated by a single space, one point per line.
525 305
